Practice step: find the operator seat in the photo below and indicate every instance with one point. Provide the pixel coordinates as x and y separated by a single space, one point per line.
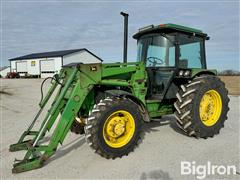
183 63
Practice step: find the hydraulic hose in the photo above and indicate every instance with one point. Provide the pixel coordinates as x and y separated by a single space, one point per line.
55 77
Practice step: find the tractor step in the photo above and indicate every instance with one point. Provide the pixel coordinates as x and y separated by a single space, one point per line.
21 146
27 165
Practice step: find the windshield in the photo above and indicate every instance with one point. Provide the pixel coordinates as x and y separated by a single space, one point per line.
157 51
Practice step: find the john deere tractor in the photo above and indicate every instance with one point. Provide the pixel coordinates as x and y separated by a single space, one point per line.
110 102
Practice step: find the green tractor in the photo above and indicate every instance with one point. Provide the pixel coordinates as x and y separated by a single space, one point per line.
110 102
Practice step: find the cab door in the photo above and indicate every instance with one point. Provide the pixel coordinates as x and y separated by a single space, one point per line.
158 51
160 66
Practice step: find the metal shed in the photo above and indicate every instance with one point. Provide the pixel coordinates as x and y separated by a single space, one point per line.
47 64
4 71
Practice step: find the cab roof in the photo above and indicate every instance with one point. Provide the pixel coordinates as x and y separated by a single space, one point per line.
169 27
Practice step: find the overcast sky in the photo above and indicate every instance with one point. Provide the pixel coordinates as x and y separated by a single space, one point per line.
30 27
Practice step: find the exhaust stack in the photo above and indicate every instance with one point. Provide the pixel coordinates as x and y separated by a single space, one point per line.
125 40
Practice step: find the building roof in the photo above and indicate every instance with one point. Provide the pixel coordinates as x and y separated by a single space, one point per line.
169 27
52 54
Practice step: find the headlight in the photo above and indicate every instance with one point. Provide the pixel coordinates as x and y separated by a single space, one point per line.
184 73
181 73
187 73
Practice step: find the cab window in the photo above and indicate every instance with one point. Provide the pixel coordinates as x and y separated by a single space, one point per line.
191 53
157 51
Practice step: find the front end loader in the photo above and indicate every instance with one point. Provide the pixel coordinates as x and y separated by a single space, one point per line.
110 102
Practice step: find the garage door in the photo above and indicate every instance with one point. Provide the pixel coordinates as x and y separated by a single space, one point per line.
21 67
47 68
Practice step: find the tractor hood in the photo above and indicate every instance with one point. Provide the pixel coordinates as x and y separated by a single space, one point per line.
111 69
106 69
118 74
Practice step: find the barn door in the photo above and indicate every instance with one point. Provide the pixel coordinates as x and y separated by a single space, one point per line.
47 68
21 68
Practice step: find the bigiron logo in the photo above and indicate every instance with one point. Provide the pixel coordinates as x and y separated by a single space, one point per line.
203 170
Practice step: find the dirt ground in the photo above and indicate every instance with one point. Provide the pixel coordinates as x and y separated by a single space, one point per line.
158 157
232 84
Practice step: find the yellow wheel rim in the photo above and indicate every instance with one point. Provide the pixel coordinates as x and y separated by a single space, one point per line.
118 129
210 107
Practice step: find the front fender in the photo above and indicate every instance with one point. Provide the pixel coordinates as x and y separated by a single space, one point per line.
198 72
121 93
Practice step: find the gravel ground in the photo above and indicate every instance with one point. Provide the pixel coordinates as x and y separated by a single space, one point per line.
157 157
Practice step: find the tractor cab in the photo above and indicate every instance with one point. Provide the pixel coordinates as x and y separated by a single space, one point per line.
169 51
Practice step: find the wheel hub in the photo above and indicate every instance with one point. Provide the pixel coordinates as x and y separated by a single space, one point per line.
210 107
115 127
118 129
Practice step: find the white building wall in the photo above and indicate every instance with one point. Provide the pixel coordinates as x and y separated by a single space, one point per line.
31 69
33 66
82 56
13 66
57 64
4 72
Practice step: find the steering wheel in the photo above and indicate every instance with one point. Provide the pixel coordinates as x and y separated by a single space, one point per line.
155 61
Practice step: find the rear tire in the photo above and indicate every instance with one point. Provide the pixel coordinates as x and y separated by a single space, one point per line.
109 132
189 114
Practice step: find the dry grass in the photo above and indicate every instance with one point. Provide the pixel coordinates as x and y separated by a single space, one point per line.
232 84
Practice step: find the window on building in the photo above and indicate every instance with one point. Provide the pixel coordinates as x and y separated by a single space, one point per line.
33 63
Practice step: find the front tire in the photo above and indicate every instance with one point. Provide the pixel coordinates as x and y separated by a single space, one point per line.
113 128
202 106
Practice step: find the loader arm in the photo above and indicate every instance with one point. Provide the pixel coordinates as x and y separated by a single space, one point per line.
67 102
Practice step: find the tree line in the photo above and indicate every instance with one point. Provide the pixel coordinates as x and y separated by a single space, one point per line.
229 72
